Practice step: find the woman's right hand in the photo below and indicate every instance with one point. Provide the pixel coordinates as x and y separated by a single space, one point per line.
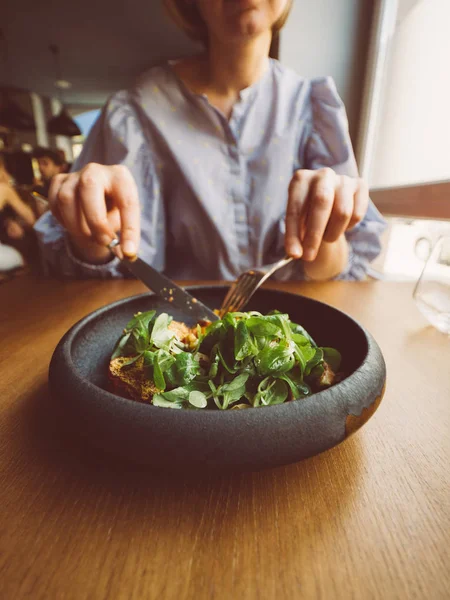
93 204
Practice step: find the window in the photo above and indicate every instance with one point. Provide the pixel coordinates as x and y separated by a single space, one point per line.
406 130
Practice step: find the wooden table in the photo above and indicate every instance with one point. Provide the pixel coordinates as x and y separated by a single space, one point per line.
368 519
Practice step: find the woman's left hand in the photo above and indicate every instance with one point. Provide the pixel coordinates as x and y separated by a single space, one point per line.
322 205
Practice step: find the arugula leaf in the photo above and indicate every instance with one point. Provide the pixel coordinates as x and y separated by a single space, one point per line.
120 346
131 360
276 393
298 388
304 354
315 360
198 399
275 358
226 362
136 337
264 326
160 400
141 318
270 392
212 336
236 383
333 358
243 343
158 377
183 370
161 335
214 367
296 328
230 392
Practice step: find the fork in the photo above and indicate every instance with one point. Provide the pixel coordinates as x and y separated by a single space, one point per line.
246 285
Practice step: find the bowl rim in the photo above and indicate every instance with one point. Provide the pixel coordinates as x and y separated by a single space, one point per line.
64 347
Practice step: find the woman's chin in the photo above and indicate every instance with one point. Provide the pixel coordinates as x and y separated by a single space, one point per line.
248 27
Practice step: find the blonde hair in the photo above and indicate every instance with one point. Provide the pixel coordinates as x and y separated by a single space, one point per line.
187 17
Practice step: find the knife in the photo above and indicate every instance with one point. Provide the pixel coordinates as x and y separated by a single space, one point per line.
158 283
162 286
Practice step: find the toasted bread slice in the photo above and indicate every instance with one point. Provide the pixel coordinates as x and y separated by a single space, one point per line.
130 380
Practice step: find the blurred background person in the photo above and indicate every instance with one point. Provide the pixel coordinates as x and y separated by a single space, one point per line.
51 163
17 239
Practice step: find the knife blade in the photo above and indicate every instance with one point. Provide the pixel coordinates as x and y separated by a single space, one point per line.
165 288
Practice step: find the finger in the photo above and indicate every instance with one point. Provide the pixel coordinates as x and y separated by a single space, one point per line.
295 212
125 197
67 205
360 203
94 181
113 217
55 186
342 210
320 205
83 225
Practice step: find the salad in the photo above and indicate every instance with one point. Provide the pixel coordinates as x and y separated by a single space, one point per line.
244 360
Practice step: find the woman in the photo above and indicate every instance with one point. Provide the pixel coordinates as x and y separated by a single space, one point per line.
219 162
16 222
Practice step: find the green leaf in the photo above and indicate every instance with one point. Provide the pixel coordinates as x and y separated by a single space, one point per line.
333 358
183 370
198 399
162 361
236 383
137 334
139 339
314 361
130 361
165 359
158 377
161 335
296 328
275 358
264 326
304 354
231 320
141 318
232 391
270 392
121 344
300 339
214 368
229 365
298 388
160 400
149 358
243 343
316 373
212 336
179 394
276 393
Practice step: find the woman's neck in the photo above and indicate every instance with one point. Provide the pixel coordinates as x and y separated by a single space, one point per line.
232 68
225 70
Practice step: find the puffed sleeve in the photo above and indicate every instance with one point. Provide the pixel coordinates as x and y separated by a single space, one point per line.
329 145
117 137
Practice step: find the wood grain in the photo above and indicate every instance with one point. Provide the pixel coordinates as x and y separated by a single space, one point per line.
368 519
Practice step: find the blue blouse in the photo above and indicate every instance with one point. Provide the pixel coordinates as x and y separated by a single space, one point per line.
213 191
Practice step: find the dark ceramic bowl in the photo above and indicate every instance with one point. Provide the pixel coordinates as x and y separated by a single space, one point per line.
208 439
